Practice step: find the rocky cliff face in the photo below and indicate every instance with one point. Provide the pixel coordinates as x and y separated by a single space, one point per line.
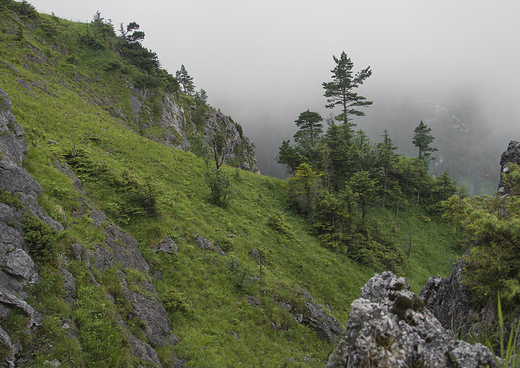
19 270
390 327
177 126
510 156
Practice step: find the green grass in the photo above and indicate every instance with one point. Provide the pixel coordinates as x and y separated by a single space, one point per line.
115 162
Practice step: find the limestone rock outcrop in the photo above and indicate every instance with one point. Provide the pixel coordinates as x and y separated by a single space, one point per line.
509 156
307 311
389 327
239 150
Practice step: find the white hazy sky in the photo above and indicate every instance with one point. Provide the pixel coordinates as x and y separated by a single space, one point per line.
263 61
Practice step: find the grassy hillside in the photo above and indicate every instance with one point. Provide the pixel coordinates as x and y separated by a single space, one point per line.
66 104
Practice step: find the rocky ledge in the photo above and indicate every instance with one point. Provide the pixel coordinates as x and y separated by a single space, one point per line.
390 327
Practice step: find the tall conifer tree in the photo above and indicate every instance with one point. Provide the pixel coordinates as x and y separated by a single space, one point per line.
340 90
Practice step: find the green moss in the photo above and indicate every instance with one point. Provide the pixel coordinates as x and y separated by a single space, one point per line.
402 304
10 199
398 286
384 340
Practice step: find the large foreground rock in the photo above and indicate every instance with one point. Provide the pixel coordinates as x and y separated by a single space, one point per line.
389 327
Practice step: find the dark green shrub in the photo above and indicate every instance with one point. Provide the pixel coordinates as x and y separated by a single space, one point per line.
276 221
240 272
221 187
176 301
42 239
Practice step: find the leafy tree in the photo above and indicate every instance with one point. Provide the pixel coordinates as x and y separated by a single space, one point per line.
340 90
200 147
442 188
412 176
327 220
221 150
493 225
103 30
362 154
422 140
185 80
305 188
306 138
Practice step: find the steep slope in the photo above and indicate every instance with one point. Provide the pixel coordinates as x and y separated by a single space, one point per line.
29 245
60 59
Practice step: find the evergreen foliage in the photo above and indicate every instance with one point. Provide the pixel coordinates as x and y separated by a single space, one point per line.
339 177
185 80
493 225
340 91
422 140
41 238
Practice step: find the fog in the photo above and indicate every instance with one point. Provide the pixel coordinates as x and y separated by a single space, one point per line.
263 62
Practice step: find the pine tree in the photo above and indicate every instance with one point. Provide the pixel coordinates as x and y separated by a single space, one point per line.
340 90
310 123
185 80
422 140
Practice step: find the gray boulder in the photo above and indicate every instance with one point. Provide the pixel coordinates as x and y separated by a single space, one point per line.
168 246
18 264
389 327
203 243
449 300
308 312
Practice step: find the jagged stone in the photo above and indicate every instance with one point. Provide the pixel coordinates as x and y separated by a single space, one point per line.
5 340
19 264
36 318
98 217
12 142
78 250
140 349
168 246
13 179
254 301
124 249
450 302
306 311
203 243
152 313
315 317
10 236
69 285
119 250
219 250
510 156
389 326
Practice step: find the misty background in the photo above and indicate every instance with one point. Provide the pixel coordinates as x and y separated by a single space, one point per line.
452 64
